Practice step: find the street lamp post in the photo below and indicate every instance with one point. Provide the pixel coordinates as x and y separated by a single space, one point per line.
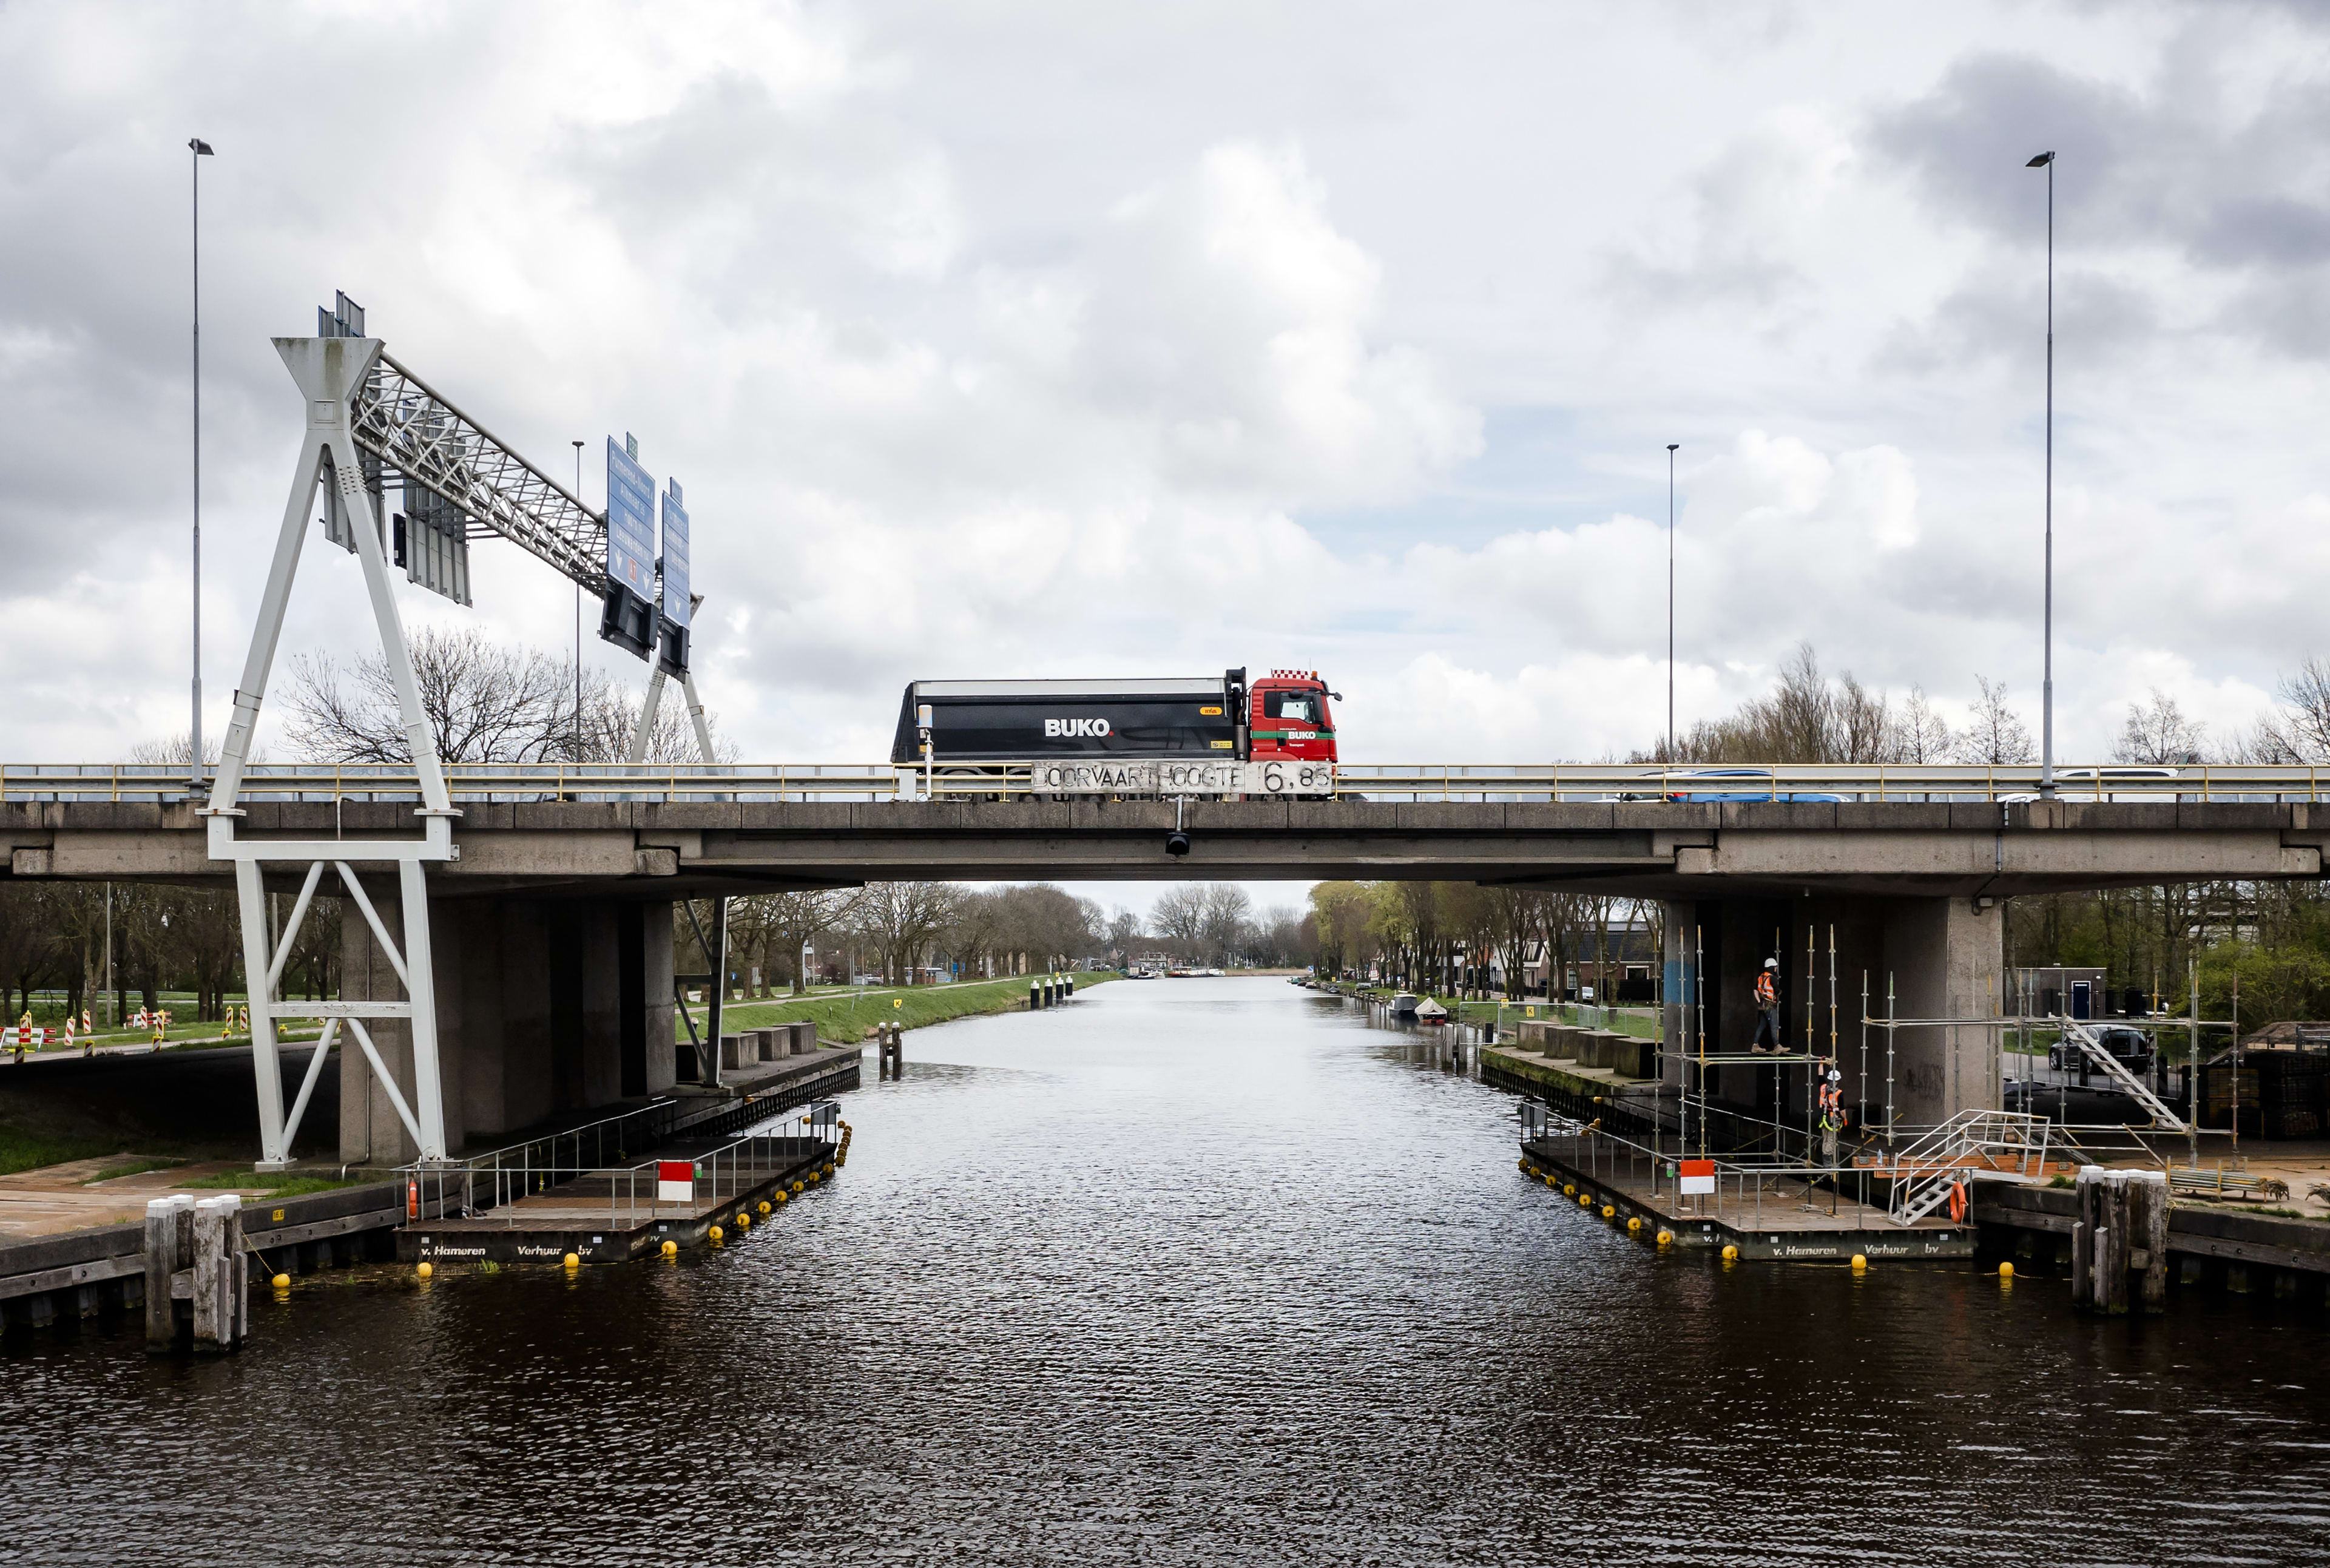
1670 585
2046 160
578 620
198 150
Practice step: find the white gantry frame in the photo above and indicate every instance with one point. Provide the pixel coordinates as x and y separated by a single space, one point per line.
641 733
331 374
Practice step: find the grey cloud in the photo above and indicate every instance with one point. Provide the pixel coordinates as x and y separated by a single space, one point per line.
2231 186
1997 317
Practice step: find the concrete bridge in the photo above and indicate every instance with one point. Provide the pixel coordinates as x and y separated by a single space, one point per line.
553 983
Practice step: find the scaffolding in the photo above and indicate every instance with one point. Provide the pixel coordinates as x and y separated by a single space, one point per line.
1916 1168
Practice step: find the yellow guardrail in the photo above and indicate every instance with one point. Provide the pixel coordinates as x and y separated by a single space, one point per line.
1876 783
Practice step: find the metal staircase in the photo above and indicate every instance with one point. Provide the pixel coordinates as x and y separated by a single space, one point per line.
1993 1146
2082 1036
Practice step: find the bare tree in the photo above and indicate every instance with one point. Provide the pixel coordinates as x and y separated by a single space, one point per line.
1806 717
1996 736
483 701
2158 734
2298 730
1227 909
902 917
1179 918
24 944
773 927
1919 734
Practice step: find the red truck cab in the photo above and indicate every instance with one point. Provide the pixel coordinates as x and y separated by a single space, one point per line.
1288 716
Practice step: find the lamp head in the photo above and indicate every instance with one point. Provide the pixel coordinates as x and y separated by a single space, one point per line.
202 149
2040 162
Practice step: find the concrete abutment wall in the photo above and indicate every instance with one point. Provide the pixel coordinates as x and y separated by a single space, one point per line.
544 1007
1946 958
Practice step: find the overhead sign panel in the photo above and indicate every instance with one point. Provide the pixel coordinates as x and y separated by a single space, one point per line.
675 555
630 523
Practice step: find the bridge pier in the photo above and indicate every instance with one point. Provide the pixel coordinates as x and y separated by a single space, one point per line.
1945 958
545 1006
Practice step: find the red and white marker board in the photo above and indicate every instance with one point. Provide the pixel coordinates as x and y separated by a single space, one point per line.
674 1181
1698 1176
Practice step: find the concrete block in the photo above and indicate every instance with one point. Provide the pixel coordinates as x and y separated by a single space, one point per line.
732 1047
804 1038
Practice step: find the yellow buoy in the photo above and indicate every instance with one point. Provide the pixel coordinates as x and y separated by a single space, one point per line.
1548 1178
671 1248
743 1221
1609 1212
1860 1263
828 1168
797 1186
1730 1253
1666 1238
779 1197
1525 1165
1636 1223
842 1158
282 1282
1569 1190
765 1205
571 1261
1585 1200
713 1234
814 1177
2006 1271
424 1271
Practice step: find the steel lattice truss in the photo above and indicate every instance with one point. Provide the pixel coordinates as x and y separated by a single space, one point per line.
418 435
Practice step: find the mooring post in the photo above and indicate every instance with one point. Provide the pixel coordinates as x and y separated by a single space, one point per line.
219 1279
163 1227
2122 1228
2087 1191
2112 1246
2149 1228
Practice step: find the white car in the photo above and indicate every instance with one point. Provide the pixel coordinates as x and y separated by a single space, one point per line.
2090 785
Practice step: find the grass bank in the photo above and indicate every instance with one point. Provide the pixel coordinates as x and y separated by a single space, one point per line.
847 1017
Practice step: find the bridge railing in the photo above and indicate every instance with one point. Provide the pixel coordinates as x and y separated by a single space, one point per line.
1520 782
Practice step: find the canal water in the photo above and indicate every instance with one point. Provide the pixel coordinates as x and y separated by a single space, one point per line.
1201 1271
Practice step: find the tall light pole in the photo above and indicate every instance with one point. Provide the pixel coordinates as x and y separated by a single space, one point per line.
1670 580
198 150
2046 160
578 620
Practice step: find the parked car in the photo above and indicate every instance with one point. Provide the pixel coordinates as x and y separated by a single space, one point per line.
2131 1048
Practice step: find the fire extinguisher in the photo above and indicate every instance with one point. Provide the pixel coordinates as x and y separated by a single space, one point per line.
413 1200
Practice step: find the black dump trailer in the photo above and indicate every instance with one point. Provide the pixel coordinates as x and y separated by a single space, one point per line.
1029 721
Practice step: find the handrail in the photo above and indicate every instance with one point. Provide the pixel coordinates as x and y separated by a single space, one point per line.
1563 783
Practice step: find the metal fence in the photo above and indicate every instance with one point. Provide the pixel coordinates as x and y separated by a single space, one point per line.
1563 783
630 1190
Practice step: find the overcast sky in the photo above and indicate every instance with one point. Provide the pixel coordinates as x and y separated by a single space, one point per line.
1062 339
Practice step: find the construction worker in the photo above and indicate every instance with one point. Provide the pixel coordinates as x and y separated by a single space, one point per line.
1767 1007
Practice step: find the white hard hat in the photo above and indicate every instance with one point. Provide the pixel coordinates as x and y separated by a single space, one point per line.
1771 964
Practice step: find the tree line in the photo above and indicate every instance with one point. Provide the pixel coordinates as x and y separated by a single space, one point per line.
902 932
1447 937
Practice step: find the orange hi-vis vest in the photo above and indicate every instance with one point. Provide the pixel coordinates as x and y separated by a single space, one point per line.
1767 994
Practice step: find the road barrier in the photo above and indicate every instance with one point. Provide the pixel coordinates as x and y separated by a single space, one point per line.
1557 783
